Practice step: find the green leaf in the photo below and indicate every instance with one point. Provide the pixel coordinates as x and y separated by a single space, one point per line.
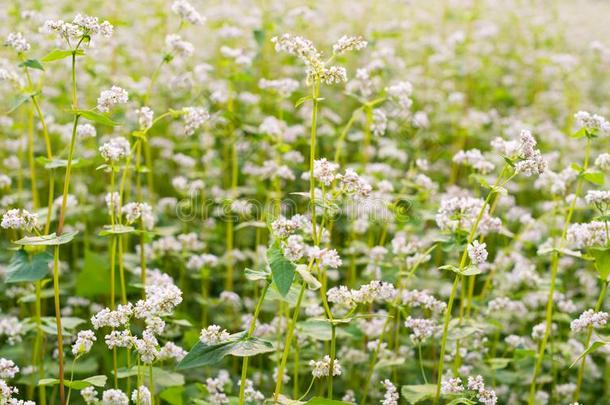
310 279
302 100
96 117
58 54
602 261
116 230
461 401
18 101
47 240
32 63
238 345
259 36
172 395
451 267
93 278
256 275
498 363
162 378
55 163
97 381
594 176
414 394
24 267
282 269
593 347
581 133
471 270
325 401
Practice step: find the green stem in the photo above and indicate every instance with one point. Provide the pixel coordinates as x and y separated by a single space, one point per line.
60 340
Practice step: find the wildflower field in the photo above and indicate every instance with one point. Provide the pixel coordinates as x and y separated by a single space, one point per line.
282 202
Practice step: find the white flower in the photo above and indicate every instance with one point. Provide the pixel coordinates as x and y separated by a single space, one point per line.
594 124
391 393
145 117
19 219
86 131
194 117
477 252
8 369
321 368
114 397
17 41
176 45
589 318
141 396
452 386
186 11
213 334
115 149
325 171
346 43
421 328
84 342
89 395
109 98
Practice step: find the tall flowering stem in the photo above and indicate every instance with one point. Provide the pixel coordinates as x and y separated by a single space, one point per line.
554 268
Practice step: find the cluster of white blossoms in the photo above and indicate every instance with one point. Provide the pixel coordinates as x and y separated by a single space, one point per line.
8 369
19 219
81 25
138 210
213 334
283 227
321 368
352 183
325 171
305 50
531 160
589 318
325 257
84 342
475 159
17 41
416 298
452 385
587 235
205 260
111 97
187 12
177 46
346 43
599 198
461 213
85 131
485 396
375 291
379 123
145 117
603 161
194 117
421 328
115 149
592 123
283 87
401 92
477 252
391 396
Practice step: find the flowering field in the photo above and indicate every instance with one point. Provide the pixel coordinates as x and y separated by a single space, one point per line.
248 202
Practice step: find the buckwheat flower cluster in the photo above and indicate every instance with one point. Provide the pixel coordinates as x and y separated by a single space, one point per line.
325 257
251 394
592 123
599 198
461 212
346 43
194 117
136 210
451 386
176 46
352 183
375 291
391 393
112 318
17 41
380 122
325 171
421 328
294 247
197 262
321 368
531 161
215 387
603 161
186 11
416 298
141 396
114 397
11 328
474 158
401 92
282 227
145 117
587 319
19 219
85 131
283 87
89 395
341 296
587 235
109 98
485 396
333 75
477 252
8 369
213 334
84 342
115 149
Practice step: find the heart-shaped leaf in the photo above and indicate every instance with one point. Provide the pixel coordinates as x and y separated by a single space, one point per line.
24 267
